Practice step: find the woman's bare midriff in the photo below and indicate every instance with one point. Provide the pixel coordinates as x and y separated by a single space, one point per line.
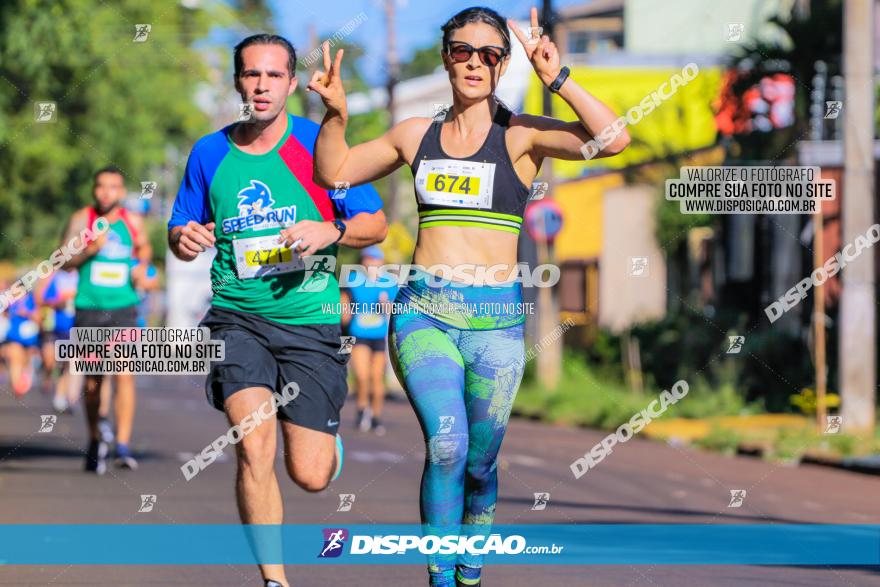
476 256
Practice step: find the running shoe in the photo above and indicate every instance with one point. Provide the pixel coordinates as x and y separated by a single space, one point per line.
23 385
105 430
271 583
60 404
365 418
339 458
467 577
96 457
124 460
377 428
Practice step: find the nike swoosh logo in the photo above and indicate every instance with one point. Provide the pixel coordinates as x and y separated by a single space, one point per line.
332 423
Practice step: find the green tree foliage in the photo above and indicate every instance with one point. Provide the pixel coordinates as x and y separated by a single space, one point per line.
361 127
424 61
117 102
817 36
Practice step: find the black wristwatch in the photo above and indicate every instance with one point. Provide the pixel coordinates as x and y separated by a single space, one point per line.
560 79
340 226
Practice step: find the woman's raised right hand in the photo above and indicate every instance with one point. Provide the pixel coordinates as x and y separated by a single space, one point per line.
328 83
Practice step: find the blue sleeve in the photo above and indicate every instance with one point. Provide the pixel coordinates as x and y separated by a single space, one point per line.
362 198
192 201
50 294
25 306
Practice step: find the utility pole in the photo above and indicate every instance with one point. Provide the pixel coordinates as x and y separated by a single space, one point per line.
392 66
858 332
549 361
311 98
819 324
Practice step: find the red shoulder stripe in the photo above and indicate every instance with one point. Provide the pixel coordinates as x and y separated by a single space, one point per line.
123 214
91 216
299 161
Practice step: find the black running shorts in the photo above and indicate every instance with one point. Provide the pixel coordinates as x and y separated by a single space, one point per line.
121 318
264 353
377 345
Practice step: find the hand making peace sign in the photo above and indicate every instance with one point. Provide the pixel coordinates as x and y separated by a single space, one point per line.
541 52
328 83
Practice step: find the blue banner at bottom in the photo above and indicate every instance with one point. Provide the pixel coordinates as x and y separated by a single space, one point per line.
523 544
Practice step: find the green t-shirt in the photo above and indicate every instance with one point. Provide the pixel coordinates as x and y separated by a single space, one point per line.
252 196
105 278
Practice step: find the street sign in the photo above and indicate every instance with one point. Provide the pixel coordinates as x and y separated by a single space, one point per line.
543 220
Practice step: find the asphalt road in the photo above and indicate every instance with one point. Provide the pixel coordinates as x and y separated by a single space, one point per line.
41 481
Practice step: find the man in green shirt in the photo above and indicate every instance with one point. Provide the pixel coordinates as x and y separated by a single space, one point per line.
248 193
105 298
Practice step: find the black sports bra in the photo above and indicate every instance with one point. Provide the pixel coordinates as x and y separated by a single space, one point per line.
482 190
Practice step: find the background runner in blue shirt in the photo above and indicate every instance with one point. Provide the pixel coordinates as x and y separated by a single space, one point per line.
367 320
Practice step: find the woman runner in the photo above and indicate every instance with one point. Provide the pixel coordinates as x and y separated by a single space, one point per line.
456 347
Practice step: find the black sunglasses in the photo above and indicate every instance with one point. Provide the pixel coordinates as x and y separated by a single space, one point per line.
461 52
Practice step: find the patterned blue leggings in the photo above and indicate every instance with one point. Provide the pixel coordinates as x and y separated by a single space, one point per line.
461 384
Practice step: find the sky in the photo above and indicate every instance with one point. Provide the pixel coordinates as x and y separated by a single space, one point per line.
418 23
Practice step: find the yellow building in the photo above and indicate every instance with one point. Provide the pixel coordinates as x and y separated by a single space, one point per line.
609 224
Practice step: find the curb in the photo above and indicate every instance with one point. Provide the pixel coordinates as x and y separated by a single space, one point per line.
864 465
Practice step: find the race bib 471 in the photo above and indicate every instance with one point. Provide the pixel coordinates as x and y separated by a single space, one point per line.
263 255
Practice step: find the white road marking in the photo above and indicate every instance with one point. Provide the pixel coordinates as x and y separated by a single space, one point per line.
373 456
526 461
183 457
